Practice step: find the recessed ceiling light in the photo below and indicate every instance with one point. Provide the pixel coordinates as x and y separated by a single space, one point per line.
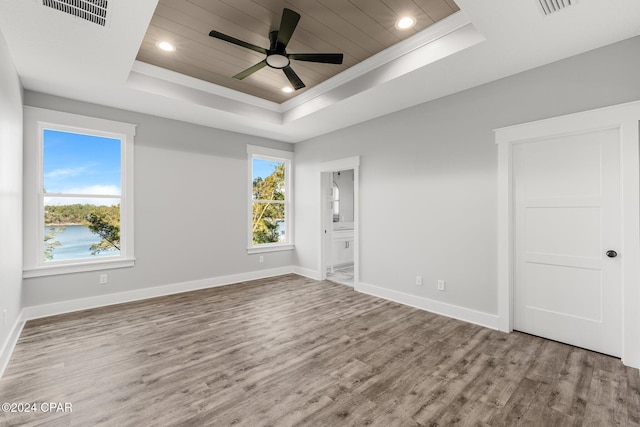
287 89
405 22
166 46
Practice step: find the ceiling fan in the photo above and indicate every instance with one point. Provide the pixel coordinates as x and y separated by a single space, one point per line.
277 56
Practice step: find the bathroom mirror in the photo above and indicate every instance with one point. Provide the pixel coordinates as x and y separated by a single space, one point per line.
342 196
335 191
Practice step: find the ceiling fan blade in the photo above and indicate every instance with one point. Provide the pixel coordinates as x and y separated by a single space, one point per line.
287 26
273 40
246 73
326 58
293 78
237 42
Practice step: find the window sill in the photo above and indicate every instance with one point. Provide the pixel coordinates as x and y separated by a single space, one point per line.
274 248
77 268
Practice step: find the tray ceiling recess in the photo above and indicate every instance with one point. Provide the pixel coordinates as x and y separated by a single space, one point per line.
359 29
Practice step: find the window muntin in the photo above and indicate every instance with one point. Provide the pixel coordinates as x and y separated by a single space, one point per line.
270 199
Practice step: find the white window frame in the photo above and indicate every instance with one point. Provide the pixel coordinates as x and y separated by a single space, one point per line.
36 120
257 152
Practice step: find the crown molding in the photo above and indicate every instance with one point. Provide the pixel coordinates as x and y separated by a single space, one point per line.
153 71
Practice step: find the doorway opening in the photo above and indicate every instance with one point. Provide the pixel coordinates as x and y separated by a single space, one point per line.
339 252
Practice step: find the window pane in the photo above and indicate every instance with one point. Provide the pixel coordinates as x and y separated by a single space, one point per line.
80 164
81 228
268 223
268 180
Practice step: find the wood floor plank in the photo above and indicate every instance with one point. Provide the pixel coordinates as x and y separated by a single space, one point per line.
611 388
633 396
572 390
510 368
290 351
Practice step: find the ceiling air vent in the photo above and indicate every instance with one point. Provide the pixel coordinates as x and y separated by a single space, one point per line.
551 6
90 10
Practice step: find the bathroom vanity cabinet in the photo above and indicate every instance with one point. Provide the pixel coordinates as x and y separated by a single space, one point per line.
342 247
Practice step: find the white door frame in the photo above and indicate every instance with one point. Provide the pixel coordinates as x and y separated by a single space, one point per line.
336 166
624 117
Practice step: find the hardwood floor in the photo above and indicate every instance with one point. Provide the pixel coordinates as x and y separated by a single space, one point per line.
292 351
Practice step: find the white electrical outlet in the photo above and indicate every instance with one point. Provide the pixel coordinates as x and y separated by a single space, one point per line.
103 279
261 259
418 280
441 285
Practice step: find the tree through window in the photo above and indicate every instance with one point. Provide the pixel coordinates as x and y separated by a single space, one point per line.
269 222
270 197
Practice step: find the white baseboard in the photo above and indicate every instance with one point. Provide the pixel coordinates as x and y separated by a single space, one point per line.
36 312
306 272
7 347
461 313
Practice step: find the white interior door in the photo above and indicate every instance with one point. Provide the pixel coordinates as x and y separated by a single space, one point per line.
567 216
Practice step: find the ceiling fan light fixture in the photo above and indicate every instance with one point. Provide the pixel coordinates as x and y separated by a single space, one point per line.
166 46
405 22
277 56
277 61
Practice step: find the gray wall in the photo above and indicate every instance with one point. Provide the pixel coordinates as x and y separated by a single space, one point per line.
10 193
190 207
428 177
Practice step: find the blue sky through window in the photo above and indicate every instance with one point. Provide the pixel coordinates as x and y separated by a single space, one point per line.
263 168
80 164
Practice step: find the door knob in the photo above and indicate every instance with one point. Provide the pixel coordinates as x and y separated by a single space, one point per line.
612 254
